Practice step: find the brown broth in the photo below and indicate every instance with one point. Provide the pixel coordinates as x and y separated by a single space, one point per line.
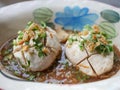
61 72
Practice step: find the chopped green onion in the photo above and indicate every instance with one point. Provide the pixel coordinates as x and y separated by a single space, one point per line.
87 27
50 24
35 28
20 35
81 47
43 35
70 41
40 44
20 32
26 43
40 53
104 49
28 62
31 77
29 24
5 52
43 24
66 65
17 73
85 77
14 42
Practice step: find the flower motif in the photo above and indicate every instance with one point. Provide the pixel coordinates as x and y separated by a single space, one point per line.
76 18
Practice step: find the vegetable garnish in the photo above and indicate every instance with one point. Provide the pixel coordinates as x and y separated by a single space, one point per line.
35 33
93 40
29 24
43 24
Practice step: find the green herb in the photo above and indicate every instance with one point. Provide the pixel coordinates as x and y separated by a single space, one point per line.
38 74
80 76
109 42
28 63
87 27
104 49
26 43
17 73
85 77
43 24
6 52
41 54
20 32
8 57
20 35
43 35
66 65
9 67
39 45
5 58
72 39
97 41
81 47
31 77
50 24
29 24
24 66
14 42
35 28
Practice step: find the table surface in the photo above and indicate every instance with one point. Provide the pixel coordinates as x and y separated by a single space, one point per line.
111 2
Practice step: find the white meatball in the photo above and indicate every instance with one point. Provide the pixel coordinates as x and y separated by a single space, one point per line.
31 55
89 63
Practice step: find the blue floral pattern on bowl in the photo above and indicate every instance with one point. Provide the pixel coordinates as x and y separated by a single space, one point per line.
75 18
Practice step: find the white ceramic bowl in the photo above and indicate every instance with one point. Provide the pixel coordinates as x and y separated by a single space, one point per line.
14 17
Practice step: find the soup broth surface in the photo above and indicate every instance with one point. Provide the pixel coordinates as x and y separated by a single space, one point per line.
61 71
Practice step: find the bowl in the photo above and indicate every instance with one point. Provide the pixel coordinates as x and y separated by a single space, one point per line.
63 14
